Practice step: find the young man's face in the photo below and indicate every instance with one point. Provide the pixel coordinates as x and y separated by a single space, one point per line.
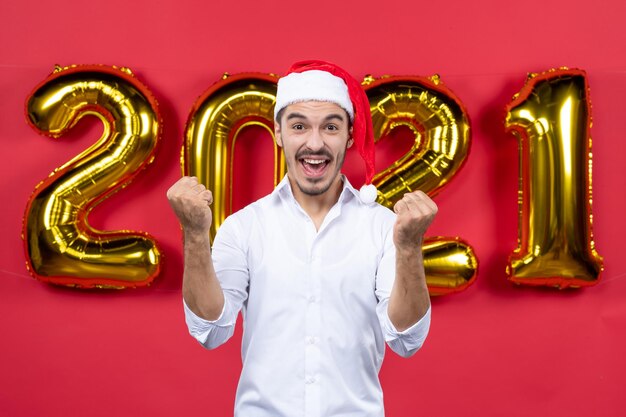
314 136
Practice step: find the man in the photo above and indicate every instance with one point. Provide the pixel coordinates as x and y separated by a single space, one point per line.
322 274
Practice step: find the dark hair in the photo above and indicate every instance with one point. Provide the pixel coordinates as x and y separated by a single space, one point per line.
279 115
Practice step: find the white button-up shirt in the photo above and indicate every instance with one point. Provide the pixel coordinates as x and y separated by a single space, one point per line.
314 306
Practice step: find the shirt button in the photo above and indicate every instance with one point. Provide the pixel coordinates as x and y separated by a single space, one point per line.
310 380
312 299
310 340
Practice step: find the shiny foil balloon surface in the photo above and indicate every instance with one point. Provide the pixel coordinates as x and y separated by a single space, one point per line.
450 265
60 245
431 111
551 118
216 119
441 127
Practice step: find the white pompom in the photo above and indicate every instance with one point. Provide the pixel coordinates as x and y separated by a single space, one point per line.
368 194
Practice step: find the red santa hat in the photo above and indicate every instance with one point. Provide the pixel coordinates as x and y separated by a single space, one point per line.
323 81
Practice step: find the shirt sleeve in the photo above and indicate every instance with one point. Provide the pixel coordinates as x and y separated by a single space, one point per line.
409 341
230 263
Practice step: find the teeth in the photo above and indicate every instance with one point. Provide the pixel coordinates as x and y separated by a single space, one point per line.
314 161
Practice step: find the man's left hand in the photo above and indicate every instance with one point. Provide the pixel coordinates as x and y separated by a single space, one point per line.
416 211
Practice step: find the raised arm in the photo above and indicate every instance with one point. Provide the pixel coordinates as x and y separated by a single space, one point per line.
409 299
202 292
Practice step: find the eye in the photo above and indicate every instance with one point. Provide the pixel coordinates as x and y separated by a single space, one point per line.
297 126
332 127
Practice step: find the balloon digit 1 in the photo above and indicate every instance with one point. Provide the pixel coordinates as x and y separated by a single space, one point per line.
442 140
214 123
551 118
61 247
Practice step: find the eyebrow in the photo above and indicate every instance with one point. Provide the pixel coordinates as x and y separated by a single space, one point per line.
332 116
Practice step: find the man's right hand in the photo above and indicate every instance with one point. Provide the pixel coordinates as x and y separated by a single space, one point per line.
201 289
190 201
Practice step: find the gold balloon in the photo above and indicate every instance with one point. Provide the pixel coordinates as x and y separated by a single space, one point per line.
450 265
216 119
442 140
551 118
441 127
61 247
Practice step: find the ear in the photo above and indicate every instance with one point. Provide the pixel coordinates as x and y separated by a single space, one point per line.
277 134
350 139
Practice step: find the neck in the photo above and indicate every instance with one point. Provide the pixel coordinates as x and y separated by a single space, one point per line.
318 206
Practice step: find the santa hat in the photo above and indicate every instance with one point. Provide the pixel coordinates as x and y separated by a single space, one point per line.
323 81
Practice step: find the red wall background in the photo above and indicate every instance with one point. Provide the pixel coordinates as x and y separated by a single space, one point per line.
494 350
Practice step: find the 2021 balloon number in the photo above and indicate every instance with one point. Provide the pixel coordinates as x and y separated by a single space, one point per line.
550 116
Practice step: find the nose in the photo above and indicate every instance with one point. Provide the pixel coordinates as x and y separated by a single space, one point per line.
315 141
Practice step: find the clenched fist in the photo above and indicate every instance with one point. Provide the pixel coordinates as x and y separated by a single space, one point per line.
416 211
190 201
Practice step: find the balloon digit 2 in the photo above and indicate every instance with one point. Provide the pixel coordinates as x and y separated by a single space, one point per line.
61 247
442 141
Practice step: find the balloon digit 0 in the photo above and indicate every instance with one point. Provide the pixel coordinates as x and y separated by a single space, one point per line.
60 245
215 121
551 118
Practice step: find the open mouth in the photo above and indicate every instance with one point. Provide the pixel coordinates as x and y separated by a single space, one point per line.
314 167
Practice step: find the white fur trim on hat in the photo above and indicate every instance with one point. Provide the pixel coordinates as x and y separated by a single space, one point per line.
368 193
313 85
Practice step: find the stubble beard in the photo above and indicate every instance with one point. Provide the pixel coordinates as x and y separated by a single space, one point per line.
313 181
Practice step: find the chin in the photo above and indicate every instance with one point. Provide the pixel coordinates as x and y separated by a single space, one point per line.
314 189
